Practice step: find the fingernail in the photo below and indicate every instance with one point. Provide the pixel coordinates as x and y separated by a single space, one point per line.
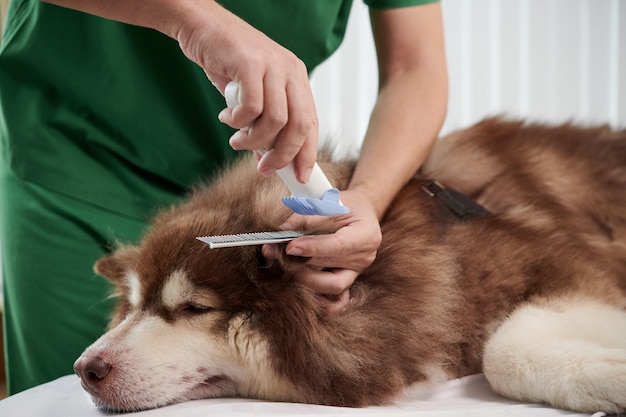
235 140
222 116
268 171
265 170
307 174
295 251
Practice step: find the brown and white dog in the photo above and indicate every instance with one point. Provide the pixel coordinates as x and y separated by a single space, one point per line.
533 293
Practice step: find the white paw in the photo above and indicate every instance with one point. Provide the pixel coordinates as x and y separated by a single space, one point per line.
572 356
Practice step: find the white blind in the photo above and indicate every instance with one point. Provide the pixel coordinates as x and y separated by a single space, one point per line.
546 60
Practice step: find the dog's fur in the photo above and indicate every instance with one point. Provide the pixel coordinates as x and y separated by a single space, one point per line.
533 294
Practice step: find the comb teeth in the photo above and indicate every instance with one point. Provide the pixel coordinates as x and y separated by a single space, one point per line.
247 239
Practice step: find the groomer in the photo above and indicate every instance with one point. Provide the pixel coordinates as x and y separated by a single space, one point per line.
109 111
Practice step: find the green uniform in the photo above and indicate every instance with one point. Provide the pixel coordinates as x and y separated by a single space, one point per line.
102 123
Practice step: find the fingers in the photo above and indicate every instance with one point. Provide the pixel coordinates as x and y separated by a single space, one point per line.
280 118
333 281
334 304
332 287
297 139
263 104
320 279
275 98
250 102
337 250
333 261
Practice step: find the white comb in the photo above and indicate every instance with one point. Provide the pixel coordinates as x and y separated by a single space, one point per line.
247 239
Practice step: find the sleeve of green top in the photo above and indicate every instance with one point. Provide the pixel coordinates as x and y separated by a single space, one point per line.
390 4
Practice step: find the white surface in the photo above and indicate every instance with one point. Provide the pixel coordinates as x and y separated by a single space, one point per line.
467 397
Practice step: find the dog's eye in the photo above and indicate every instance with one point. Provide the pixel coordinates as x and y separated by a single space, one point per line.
194 309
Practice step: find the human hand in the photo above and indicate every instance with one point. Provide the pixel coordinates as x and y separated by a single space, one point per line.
335 260
276 101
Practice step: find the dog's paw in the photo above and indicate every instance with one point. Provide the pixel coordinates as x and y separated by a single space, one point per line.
572 357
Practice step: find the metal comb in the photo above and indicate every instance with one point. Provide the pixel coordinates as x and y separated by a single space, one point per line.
247 239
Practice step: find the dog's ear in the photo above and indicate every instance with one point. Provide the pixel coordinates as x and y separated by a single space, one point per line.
115 266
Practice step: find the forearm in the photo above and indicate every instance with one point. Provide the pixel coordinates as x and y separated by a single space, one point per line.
166 16
411 103
404 124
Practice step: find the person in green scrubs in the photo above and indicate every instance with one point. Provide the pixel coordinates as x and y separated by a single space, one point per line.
109 111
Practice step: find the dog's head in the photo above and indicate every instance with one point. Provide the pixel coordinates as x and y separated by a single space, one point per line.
191 322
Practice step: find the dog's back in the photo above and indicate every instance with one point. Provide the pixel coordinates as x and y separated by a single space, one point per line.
567 186
570 177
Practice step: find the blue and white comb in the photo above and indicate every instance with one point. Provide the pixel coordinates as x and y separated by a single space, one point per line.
316 197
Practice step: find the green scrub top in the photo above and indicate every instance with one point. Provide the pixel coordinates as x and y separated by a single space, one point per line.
115 114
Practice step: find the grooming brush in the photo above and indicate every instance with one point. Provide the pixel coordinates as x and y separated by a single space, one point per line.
316 197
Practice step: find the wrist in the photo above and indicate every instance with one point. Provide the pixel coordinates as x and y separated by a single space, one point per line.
364 193
179 19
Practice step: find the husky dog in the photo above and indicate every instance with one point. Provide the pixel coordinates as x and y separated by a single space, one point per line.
529 287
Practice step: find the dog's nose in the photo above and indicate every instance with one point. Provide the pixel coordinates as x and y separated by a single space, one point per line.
91 370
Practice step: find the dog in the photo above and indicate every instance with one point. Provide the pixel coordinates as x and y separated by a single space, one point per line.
512 263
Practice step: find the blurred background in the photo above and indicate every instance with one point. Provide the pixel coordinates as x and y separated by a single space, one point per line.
544 60
3 9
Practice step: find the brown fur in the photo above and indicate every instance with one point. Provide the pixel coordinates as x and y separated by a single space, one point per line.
438 288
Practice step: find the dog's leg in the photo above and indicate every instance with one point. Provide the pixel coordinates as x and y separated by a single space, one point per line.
570 354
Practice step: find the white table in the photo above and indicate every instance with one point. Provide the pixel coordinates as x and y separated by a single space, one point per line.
467 397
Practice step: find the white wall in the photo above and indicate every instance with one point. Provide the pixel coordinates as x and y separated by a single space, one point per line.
547 60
